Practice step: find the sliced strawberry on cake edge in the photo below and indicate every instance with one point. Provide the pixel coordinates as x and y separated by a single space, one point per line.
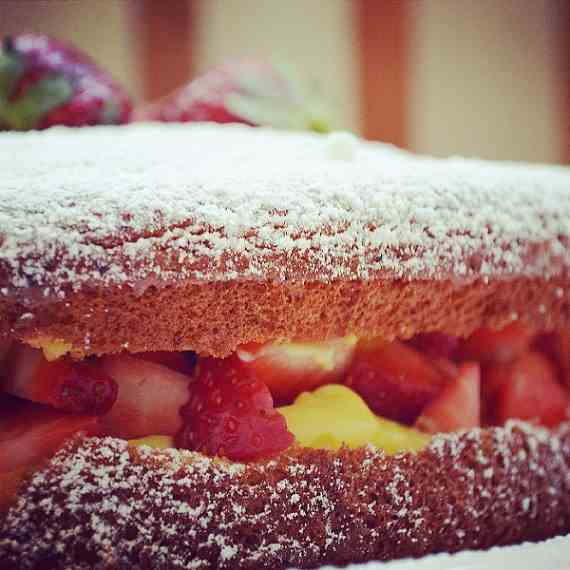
230 413
395 380
528 390
149 398
288 369
458 406
36 432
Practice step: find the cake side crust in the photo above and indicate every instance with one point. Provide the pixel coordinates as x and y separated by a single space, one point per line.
215 318
111 206
101 502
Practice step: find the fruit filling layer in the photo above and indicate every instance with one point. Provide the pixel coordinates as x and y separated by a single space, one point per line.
264 399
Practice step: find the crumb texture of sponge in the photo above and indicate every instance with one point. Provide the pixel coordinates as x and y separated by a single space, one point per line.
203 237
215 318
101 503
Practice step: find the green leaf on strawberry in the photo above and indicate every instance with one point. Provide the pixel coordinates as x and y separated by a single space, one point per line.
286 102
250 92
26 112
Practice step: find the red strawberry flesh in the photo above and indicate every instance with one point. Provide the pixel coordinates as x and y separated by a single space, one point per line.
230 413
394 379
34 432
75 387
527 389
149 397
85 389
436 344
458 406
556 346
288 369
495 346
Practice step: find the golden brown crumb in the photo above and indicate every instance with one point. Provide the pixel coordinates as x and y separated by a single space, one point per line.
100 502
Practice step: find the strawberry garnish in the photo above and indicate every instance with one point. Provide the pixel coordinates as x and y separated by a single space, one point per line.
394 379
35 432
75 387
230 413
288 369
149 397
457 407
247 92
44 82
527 389
495 346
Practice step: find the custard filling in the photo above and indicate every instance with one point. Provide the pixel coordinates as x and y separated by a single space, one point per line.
263 399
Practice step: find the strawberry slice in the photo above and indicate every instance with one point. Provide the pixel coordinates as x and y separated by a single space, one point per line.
436 344
394 379
149 397
556 345
527 389
562 349
183 362
458 406
495 346
290 368
230 413
35 432
75 387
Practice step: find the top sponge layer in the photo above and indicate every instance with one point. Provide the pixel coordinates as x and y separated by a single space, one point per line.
207 202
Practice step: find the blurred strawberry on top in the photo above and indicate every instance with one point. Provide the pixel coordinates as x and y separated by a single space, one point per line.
44 82
250 92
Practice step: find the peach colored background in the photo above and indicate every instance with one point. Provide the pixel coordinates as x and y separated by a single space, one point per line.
487 78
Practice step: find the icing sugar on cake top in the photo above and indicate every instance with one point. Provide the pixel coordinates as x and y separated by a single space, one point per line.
208 202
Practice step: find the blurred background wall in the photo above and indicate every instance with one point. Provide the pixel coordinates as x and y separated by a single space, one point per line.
491 77
487 77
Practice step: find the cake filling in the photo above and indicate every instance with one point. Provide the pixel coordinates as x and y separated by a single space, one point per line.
263 399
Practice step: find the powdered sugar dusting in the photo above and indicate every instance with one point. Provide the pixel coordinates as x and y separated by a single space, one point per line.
100 205
100 501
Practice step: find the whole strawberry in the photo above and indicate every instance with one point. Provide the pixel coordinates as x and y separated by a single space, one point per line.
230 414
250 92
44 82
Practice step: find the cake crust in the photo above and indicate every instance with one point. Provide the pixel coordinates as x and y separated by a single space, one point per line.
203 202
100 503
203 237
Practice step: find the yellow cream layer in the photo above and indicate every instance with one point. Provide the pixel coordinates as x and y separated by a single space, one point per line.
330 417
